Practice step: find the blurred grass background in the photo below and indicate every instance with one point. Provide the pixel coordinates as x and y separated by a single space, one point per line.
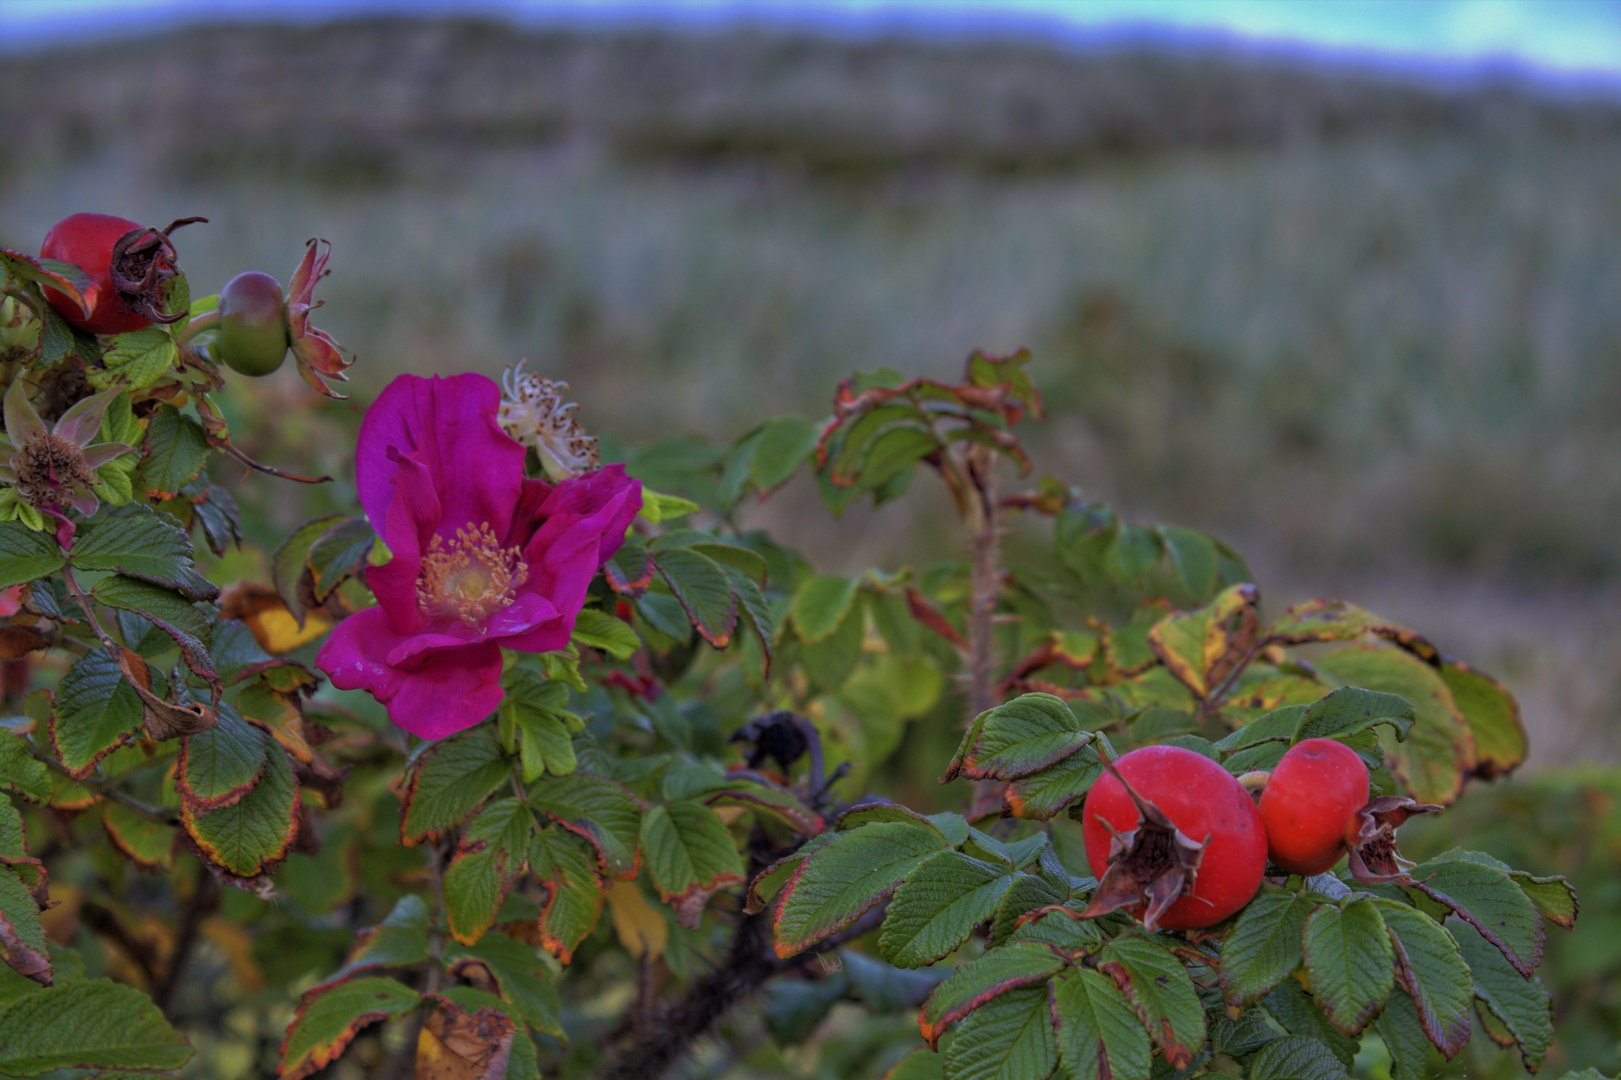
1365 328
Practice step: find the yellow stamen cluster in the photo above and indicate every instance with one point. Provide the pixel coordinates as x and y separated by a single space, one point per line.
471 578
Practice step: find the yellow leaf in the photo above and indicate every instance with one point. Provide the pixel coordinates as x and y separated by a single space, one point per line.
639 925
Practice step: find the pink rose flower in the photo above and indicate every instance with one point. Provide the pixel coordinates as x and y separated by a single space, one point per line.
483 558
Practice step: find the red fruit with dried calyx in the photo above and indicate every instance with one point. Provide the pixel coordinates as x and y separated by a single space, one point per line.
129 266
1172 838
1310 800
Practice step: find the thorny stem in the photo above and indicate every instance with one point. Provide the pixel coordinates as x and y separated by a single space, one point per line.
86 606
984 521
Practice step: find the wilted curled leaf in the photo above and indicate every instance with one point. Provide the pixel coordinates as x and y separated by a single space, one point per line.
163 719
456 1045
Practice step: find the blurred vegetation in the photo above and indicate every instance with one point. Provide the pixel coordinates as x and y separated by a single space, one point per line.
1364 327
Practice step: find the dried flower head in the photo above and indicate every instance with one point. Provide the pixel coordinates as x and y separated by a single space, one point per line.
51 469
534 413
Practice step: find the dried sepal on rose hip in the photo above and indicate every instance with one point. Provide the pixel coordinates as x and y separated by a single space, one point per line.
1308 804
1172 838
129 265
1371 837
256 324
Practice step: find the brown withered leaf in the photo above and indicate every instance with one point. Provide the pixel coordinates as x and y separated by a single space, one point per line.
456 1045
18 641
277 630
163 719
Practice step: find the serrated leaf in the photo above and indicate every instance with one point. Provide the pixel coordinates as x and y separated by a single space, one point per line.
690 854
1439 751
475 883
329 1018
885 988
1350 709
1404 1037
291 560
1018 738
87 1024
605 814
820 604
1348 959
1493 717
176 448
452 778
1201 648
542 736
137 358
1296 1057
1010 1038
783 805
337 553
1027 893
753 604
523 1063
1521 1004
1554 897
1043 794
1263 946
169 611
830 661
937 906
564 864
1298 1014
26 554
145 842
95 712
845 877
21 935
220 765
1160 992
704 590
1099 1036
783 443
1488 899
1431 969
599 630
522 978
920 1064
630 571
251 836
22 772
400 940
1021 963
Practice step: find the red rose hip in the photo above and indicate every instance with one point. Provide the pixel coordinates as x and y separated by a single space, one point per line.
128 265
1310 800
1186 852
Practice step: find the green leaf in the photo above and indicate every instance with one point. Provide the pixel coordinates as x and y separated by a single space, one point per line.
1521 1004
1439 751
1043 794
400 940
754 606
1296 1057
892 456
330 1017
291 560
564 864
1201 648
1349 710
885 988
845 877
1160 991
1554 897
523 1063
337 553
21 771
26 554
251 836
493 849
1493 717
820 605
220 765
96 711
657 506
794 1008
452 778
784 442
1489 900
523 979
542 736
920 1064
1399 1029
137 358
599 630
830 661
704 590
21 934
690 854
1009 1038
1022 963
630 571
937 906
1431 969
1348 959
1099 1036
1020 737
169 611
1028 892
605 814
1263 946
86 1024
176 448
